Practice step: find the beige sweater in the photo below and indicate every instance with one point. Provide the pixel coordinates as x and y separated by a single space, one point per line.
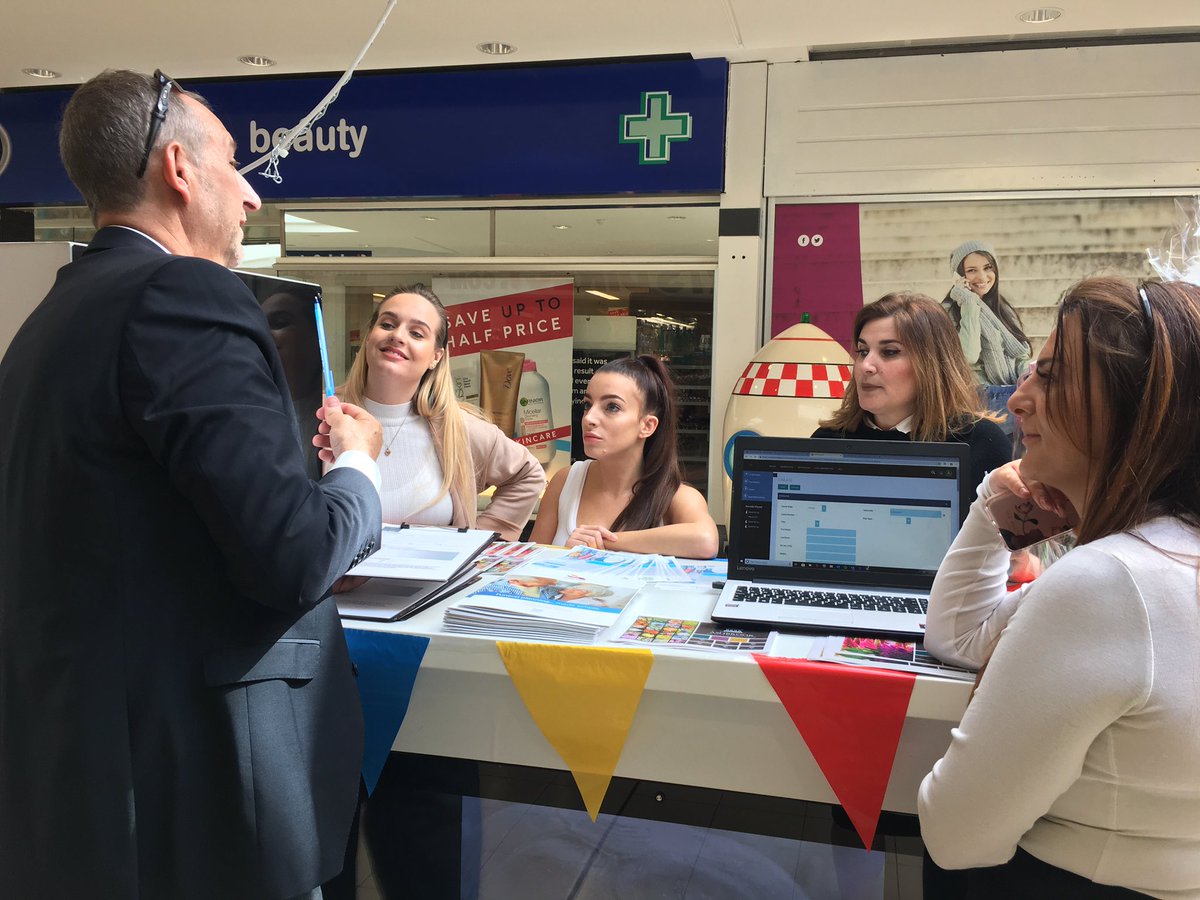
502 463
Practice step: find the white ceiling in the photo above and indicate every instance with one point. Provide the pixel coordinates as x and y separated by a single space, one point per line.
205 39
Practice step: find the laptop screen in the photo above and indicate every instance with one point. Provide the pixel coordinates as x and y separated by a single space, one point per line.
873 513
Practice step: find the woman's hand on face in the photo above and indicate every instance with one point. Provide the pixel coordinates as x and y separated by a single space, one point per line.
960 292
590 536
1008 477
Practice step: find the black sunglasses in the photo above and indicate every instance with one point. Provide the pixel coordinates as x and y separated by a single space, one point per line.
157 116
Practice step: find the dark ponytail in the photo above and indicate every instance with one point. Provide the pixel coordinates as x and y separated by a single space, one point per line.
661 476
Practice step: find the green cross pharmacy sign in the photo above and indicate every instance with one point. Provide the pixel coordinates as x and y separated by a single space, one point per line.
655 127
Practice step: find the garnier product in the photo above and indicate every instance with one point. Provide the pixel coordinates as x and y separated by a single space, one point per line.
533 410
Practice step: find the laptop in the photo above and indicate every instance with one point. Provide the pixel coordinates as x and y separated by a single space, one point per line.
840 535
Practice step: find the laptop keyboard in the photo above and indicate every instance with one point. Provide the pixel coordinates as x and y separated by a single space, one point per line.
830 599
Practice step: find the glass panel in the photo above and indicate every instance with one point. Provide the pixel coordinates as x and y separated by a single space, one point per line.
608 231
672 318
616 314
388 232
260 246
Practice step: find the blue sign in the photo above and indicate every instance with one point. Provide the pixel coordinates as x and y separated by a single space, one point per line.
613 128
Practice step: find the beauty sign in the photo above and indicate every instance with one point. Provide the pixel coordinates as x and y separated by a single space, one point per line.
510 353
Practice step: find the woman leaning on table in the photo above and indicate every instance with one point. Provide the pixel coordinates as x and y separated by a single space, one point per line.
437 455
1076 769
911 382
629 494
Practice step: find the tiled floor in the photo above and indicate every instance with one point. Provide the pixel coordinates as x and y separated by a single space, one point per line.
524 851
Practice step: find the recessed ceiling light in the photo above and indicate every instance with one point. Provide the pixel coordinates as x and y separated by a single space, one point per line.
258 62
561 227
676 218
495 48
429 218
602 295
1040 15
42 73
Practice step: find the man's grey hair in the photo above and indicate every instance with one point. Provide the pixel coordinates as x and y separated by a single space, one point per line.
103 136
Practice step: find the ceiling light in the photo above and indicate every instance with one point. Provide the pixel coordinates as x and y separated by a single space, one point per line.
495 48
257 62
429 218
676 218
1040 15
561 227
602 295
380 296
42 73
665 320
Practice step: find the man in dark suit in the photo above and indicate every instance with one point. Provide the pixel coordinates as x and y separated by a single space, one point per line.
178 714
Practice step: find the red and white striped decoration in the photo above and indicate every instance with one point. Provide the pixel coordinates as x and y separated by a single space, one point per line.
779 379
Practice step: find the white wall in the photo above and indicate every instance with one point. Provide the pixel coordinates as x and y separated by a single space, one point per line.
738 292
1080 118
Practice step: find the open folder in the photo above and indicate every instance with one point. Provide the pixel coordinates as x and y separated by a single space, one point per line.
414 567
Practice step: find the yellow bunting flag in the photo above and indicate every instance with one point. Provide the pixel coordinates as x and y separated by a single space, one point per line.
583 700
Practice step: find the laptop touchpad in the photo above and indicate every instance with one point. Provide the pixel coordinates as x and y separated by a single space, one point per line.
813 616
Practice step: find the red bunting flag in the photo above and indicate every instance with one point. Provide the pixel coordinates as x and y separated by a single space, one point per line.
850 718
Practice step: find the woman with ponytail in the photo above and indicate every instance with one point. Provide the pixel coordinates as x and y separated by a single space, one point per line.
437 455
629 494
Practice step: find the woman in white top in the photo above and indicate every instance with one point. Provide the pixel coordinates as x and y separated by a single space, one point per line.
1076 769
437 455
629 495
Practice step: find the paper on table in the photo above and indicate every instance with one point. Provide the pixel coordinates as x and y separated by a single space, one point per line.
545 599
693 634
423 553
884 653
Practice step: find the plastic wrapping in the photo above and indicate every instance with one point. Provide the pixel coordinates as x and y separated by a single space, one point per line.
1177 257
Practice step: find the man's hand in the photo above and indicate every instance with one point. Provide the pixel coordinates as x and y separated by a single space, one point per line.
343 427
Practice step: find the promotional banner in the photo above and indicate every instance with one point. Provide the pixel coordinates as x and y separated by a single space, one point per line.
850 720
583 700
566 130
387 666
510 353
817 268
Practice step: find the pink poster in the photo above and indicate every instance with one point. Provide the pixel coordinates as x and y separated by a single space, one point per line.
818 268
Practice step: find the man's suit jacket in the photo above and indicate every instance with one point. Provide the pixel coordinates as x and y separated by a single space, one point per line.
178 714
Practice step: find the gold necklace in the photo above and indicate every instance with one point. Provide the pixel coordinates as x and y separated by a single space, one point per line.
387 451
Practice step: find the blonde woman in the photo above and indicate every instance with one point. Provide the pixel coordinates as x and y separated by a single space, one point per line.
437 456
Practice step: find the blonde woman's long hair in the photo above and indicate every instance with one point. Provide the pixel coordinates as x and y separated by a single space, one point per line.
947 397
434 401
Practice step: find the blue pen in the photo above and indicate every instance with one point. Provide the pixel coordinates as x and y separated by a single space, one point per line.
329 389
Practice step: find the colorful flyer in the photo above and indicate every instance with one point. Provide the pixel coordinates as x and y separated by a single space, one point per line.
692 634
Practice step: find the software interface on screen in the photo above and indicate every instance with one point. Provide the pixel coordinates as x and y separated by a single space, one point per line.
829 511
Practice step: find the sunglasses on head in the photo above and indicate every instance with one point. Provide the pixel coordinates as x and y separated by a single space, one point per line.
157 116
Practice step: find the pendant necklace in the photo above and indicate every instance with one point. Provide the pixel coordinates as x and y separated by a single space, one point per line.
387 451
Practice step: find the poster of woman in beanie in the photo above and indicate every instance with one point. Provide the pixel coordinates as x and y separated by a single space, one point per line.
989 328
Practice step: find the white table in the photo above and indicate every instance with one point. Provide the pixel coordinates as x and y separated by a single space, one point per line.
705 719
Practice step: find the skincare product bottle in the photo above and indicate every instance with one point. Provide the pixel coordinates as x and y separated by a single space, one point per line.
533 410
465 372
500 372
